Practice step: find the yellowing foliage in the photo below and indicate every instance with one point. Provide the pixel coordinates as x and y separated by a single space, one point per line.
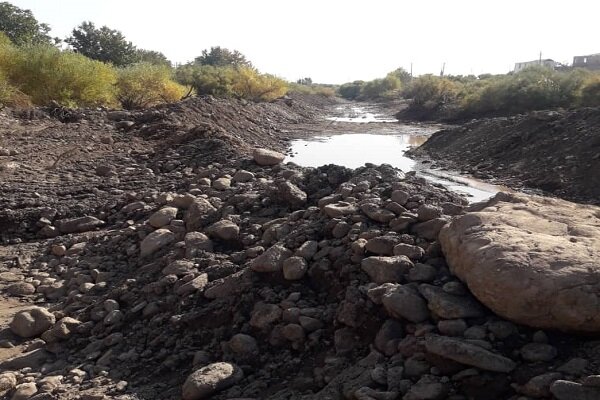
242 82
144 84
249 84
45 73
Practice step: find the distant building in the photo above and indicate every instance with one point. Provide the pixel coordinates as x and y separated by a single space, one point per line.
548 63
589 62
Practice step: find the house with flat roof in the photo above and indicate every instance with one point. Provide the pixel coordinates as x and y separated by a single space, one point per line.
548 63
591 61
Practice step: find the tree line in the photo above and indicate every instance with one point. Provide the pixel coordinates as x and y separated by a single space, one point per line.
98 66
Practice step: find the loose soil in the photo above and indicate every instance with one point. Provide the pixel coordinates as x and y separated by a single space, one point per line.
552 152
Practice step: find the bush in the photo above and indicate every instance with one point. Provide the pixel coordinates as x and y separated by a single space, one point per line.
313 89
590 91
144 85
45 73
351 91
11 96
380 88
240 82
432 92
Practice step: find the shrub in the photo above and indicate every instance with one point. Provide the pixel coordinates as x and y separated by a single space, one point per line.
249 84
45 73
380 88
351 91
313 89
240 82
144 84
431 91
11 96
590 91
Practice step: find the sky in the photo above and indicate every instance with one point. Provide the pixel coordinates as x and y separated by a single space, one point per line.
335 41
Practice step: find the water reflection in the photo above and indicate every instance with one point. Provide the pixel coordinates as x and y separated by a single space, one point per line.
354 150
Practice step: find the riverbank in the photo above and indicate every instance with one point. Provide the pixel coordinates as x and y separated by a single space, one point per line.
553 152
167 258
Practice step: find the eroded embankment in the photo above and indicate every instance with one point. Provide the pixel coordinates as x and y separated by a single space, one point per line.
557 152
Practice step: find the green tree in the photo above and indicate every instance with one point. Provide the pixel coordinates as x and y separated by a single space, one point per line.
402 74
152 57
222 57
21 26
102 44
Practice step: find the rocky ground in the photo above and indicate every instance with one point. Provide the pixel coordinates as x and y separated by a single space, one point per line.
159 255
555 152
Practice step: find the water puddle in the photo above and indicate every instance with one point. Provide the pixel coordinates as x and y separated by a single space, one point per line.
355 149
361 115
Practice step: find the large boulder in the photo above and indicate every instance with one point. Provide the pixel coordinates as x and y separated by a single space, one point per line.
32 322
210 379
530 259
267 157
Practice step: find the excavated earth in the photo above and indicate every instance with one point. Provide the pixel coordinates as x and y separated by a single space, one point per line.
157 255
555 152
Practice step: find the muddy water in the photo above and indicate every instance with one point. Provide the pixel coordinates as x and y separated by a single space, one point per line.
385 145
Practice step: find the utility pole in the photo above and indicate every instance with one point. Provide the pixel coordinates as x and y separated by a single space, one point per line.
411 69
540 58
443 68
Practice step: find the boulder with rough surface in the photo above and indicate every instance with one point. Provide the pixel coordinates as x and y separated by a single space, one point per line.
533 260
267 157
211 379
32 322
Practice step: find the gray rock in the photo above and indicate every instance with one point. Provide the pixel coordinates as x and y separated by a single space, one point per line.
422 273
243 176
449 306
195 285
155 241
427 388
264 314
377 213
382 245
162 217
198 214
400 197
291 194
224 229
339 209
427 212
308 249
294 268
405 302
221 183
24 391
266 157
271 260
21 289
429 229
32 322
539 386
538 352
386 269
468 354
76 225
195 243
211 379
567 390
31 359
243 345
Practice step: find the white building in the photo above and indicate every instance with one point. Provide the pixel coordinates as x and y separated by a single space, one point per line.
548 63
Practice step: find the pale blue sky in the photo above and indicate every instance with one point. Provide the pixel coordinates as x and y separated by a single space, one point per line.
337 41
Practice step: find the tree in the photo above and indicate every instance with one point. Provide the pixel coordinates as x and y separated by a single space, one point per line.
402 74
143 84
151 57
304 81
21 27
102 44
222 57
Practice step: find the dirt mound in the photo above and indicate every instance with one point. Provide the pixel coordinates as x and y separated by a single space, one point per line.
63 170
174 266
557 152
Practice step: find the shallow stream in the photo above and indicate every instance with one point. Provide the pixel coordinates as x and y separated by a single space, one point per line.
381 146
